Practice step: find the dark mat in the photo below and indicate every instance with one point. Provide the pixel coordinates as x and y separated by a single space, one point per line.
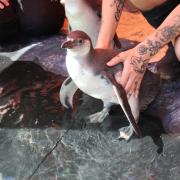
32 120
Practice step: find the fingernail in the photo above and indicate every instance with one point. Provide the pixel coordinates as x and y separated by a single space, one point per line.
136 95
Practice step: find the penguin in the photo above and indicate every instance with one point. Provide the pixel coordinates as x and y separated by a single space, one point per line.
88 71
85 15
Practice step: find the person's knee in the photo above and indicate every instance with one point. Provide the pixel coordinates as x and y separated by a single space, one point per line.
177 47
42 17
173 126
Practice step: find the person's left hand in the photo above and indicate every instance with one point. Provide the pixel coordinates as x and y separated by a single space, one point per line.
134 68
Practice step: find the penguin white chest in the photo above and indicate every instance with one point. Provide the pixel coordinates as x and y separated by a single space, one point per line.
97 86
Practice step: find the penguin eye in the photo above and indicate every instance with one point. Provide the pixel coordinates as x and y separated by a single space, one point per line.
80 41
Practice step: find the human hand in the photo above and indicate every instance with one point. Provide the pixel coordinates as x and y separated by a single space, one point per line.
4 3
134 68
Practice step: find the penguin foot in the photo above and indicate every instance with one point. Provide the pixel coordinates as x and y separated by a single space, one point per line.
98 117
126 133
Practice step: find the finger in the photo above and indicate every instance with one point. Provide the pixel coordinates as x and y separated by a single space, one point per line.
118 76
136 92
129 94
1 6
130 85
5 2
135 86
117 59
125 76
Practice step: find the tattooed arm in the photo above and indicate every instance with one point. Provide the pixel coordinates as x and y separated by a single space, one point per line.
135 60
111 11
167 32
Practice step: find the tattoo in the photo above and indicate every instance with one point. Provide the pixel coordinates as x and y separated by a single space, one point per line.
170 32
136 82
139 64
167 33
164 35
119 7
142 49
153 47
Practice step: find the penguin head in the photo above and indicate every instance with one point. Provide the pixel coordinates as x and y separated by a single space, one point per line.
78 43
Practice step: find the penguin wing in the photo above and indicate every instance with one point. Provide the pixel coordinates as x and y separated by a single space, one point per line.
67 92
123 102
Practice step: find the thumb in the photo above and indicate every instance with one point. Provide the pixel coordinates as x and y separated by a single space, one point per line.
116 60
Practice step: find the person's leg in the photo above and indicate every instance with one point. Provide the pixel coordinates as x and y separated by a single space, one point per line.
166 107
171 117
40 17
8 23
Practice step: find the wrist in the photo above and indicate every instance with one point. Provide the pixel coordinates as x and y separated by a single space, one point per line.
139 62
150 46
146 50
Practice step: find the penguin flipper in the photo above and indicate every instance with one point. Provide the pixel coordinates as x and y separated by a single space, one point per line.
67 92
123 102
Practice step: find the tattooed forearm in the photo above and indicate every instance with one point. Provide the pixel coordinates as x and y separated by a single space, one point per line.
151 48
170 32
139 64
119 7
167 33
142 49
163 36
148 48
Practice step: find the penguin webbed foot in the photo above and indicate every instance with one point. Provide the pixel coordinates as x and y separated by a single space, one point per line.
126 133
98 117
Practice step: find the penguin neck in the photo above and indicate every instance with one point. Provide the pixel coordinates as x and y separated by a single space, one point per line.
83 57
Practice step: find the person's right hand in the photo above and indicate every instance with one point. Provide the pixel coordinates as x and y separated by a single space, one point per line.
4 3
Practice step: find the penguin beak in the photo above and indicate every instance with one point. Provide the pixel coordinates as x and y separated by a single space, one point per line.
69 44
